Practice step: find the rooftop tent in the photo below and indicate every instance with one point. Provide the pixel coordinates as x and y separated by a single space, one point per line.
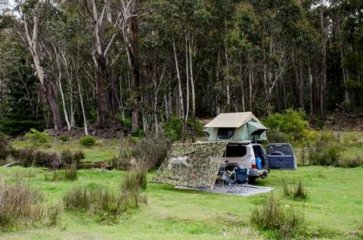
236 127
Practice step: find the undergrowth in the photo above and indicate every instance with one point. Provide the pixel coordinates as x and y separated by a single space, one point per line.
282 221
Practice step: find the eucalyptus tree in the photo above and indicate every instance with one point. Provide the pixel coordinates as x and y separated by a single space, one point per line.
34 16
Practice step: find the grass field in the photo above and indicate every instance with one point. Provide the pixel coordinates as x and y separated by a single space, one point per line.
333 210
104 149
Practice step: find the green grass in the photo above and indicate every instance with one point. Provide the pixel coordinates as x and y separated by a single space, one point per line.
104 149
333 210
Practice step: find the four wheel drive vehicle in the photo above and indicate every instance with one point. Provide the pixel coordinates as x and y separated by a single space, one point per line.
245 155
281 156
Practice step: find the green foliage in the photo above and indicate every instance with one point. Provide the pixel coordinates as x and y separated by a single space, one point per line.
3 146
173 128
87 141
37 137
70 158
15 127
134 181
68 174
126 122
64 138
151 152
290 124
275 217
300 191
105 204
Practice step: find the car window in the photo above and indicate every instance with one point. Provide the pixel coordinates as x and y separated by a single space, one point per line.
279 149
235 151
225 133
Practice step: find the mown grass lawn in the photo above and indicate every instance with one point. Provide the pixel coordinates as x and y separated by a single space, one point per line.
334 209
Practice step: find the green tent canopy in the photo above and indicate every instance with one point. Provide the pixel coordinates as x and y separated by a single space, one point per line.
238 126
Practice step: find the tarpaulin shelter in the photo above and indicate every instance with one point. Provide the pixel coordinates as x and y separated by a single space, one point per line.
191 164
237 126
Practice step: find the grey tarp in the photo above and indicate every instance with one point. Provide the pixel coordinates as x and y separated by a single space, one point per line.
191 164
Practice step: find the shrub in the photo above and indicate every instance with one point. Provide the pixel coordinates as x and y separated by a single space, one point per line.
350 162
16 127
150 152
87 141
325 155
70 174
70 158
19 203
286 189
300 191
290 122
29 157
54 213
101 202
78 156
173 128
274 217
37 137
3 146
64 138
133 181
277 136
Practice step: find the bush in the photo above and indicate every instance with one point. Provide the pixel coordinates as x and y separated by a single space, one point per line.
274 217
103 203
3 146
87 141
19 203
277 136
290 122
173 129
64 138
69 174
300 191
30 157
15 127
350 162
151 152
70 158
133 181
37 137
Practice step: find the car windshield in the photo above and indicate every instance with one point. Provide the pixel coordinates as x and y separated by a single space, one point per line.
279 150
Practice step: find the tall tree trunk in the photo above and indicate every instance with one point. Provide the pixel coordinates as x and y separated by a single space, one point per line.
187 75
31 38
301 85
181 103
311 90
323 65
101 97
192 85
52 103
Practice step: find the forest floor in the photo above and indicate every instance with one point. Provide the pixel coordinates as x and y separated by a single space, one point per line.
333 209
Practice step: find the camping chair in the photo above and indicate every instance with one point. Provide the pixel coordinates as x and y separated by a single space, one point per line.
241 175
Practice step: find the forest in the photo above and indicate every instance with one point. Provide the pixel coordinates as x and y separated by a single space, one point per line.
138 63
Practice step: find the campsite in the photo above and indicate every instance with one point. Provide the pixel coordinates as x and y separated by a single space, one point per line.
180 213
169 119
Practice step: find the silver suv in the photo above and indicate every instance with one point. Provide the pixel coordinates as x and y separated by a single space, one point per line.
245 155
